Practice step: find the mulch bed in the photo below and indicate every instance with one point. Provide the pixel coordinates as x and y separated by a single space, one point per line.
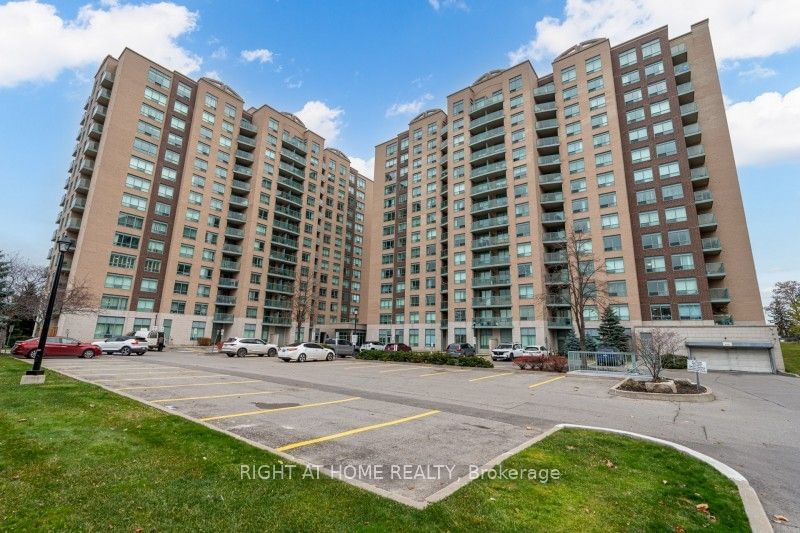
682 386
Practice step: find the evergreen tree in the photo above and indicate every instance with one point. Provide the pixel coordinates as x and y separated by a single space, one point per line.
612 333
591 344
5 282
572 343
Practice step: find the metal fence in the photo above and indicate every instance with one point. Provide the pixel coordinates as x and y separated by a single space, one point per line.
616 362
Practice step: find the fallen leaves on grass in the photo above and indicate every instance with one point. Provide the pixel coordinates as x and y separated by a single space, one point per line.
702 507
609 464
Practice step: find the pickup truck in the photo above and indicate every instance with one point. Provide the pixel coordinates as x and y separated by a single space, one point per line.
341 347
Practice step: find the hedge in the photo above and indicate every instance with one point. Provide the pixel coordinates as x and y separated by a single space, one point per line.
676 362
548 363
429 358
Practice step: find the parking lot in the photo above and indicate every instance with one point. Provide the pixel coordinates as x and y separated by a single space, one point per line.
363 413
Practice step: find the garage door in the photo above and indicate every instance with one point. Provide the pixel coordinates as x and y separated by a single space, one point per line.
740 359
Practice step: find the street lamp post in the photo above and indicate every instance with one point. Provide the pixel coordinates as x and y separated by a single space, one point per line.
355 324
64 244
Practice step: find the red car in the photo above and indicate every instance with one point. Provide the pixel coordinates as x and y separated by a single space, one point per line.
56 347
397 347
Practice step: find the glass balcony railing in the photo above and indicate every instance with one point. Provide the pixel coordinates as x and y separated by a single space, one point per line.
241 170
487 152
486 170
492 281
715 270
719 295
223 318
489 223
503 300
493 322
490 204
487 135
487 102
486 242
489 186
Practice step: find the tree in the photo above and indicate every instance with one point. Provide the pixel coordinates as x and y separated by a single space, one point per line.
312 311
585 287
612 332
794 319
302 302
591 344
571 343
653 346
784 294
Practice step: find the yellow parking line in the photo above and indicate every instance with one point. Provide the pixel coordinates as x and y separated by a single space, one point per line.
183 376
440 372
545 381
354 431
404 369
277 409
492 376
147 373
117 367
362 366
214 396
190 385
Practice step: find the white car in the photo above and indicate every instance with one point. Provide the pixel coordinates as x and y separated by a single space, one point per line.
372 345
124 344
241 346
305 351
535 350
507 351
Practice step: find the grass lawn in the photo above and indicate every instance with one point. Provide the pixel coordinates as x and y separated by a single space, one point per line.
74 456
791 356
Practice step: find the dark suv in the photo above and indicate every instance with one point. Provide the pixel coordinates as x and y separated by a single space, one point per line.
458 349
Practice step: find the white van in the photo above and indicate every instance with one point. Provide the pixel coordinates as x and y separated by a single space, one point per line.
154 339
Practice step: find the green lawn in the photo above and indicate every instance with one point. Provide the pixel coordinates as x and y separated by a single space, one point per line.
791 356
74 456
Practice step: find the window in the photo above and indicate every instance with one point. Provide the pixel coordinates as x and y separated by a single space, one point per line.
640 155
569 93
571 110
122 260
155 96
630 77
580 205
130 221
628 57
643 175
593 64
118 281
573 128
635 115
198 330
659 108
177 307
151 113
645 197
663 128
651 241
675 214
108 326
141 165
659 87
672 192
666 149
655 264
156 77
689 312
612 243
145 304
657 287
568 74
525 291
669 170
599 121
605 179
633 96
661 312
148 130
576 166
116 303
602 159
601 139
125 240
654 69
148 285
682 262
574 147
577 185
608 199
609 221
650 49
594 84
648 218
617 288
679 237
686 286
637 135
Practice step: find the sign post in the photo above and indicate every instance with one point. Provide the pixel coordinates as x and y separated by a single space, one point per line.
698 367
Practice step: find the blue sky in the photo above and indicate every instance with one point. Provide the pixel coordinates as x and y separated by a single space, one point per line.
358 71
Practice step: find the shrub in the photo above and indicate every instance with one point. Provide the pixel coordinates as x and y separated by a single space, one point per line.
204 341
428 358
547 363
674 362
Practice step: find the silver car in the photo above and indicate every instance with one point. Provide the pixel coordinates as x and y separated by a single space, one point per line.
241 346
341 347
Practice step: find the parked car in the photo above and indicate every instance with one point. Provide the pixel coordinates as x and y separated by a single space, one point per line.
507 351
153 338
372 345
341 347
397 347
535 350
458 349
124 344
241 346
56 347
305 351
609 356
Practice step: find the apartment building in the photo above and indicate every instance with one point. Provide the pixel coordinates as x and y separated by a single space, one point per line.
195 214
623 150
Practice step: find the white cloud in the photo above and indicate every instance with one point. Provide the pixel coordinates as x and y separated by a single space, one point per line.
220 53
213 74
757 72
364 166
740 30
324 120
766 130
36 44
293 82
262 55
408 108
442 4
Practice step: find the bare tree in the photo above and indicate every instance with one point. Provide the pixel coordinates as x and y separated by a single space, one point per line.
585 285
653 346
302 302
312 310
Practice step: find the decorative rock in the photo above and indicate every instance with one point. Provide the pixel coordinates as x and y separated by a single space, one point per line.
683 381
661 386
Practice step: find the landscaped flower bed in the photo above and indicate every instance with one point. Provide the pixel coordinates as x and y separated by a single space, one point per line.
430 358
547 363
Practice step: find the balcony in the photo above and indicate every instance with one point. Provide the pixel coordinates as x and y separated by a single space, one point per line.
95 131
550 181
554 237
225 300
685 92
549 163
103 96
488 223
291 213
296 186
489 186
285 242
699 176
723 320
289 155
555 258
545 92
491 261
548 145
487 136
277 304
276 321
489 205
715 270
285 226
294 199
229 266
243 156
228 283
282 288
291 170
66 266
91 148
493 322
551 199
678 53
711 246
77 205
487 153
234 233
246 143
502 280
703 199
719 295
559 323
490 242
490 119
240 186
232 249
487 104
692 134
99 113
82 185
279 272
241 171
73 225
546 110
547 127
87 167
555 218
696 154
285 258
489 171
238 201
707 222
107 79
298 145
560 277
492 301
683 73
558 300
223 318
235 216
248 128
689 113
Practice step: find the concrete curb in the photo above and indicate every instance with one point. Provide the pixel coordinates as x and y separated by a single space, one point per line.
707 396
